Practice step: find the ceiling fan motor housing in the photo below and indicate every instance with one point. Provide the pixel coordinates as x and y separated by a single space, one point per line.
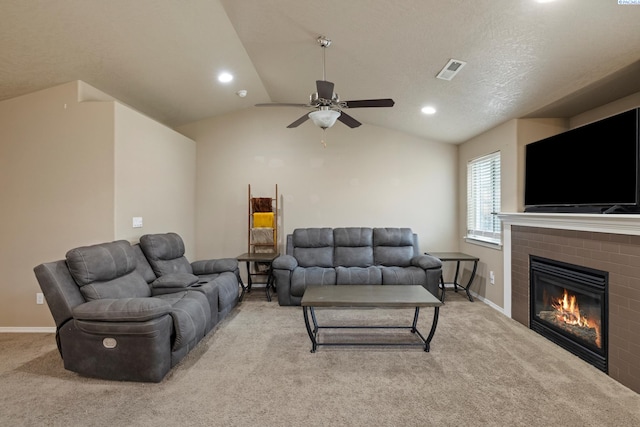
315 100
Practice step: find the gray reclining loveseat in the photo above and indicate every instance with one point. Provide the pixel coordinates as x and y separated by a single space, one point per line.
354 255
126 312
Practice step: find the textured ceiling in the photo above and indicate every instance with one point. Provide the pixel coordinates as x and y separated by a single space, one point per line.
524 59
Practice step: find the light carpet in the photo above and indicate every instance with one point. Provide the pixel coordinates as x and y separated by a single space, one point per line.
256 369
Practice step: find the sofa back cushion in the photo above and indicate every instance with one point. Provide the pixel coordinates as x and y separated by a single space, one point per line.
143 266
165 253
353 247
107 270
393 246
313 247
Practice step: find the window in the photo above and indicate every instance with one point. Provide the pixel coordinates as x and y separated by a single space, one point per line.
483 199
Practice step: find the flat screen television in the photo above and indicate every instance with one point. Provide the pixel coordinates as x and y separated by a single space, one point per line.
590 169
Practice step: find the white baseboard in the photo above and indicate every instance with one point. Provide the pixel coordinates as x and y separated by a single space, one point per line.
488 302
28 330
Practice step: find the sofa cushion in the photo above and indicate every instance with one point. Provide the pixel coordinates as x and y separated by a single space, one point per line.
191 314
393 246
313 247
107 270
314 257
353 247
165 253
358 276
143 266
392 237
122 310
353 236
175 280
312 237
303 277
403 276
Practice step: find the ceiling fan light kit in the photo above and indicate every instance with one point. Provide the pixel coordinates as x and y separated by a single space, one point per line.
326 103
324 118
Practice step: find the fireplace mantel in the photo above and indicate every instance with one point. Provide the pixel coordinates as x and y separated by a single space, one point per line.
601 223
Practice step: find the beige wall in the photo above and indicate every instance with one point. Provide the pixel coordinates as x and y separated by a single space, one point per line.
56 180
155 178
367 176
501 138
75 166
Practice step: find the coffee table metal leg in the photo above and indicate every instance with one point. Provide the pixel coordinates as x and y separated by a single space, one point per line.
312 337
434 324
414 325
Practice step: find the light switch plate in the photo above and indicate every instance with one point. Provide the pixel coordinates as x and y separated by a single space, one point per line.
137 222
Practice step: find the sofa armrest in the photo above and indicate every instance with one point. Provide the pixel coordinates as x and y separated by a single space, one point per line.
426 262
285 262
212 266
122 309
175 281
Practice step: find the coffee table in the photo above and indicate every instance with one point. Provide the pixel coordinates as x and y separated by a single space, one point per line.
369 296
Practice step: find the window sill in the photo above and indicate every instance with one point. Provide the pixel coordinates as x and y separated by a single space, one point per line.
484 243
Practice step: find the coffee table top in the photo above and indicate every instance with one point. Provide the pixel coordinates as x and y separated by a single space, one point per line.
389 296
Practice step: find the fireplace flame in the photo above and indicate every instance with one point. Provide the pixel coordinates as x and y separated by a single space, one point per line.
567 311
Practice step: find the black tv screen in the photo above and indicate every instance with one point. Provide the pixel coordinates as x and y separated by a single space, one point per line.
588 169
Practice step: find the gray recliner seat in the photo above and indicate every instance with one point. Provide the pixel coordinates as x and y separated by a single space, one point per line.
217 279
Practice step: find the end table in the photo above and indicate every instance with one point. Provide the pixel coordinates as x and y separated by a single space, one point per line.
266 258
457 257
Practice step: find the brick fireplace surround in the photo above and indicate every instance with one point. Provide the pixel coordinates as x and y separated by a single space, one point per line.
604 242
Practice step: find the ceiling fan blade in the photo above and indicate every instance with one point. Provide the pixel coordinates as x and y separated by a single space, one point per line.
298 122
348 120
325 89
364 103
280 104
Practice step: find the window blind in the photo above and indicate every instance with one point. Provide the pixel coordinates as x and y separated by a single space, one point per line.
483 199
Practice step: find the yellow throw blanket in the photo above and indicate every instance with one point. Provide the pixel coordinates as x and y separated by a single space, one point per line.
263 219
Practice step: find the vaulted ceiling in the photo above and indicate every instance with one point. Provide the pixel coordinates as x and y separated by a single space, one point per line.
524 58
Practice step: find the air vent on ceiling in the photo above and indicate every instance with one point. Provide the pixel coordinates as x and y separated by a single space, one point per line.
451 69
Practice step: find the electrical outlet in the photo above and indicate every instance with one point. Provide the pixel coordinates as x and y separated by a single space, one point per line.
492 278
39 298
137 222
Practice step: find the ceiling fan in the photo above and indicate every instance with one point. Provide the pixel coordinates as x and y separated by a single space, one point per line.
325 103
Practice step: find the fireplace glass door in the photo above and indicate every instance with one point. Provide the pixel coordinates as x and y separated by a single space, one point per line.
569 307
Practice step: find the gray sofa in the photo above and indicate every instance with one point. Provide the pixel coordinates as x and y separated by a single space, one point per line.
354 255
132 312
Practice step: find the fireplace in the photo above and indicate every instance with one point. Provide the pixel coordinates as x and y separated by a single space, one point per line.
569 307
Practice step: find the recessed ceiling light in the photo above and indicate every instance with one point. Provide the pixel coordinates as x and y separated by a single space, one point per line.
225 77
428 110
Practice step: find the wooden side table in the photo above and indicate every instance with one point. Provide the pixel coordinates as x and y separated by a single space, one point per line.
266 258
457 257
